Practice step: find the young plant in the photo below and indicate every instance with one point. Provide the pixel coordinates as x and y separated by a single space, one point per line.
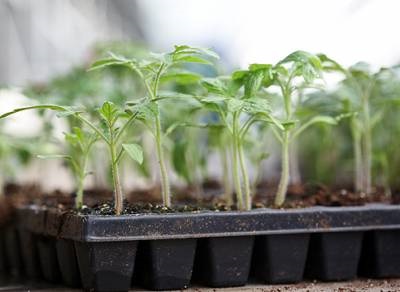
370 95
112 124
79 145
296 72
152 71
239 110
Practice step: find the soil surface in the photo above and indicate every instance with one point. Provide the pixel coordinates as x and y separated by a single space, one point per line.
209 196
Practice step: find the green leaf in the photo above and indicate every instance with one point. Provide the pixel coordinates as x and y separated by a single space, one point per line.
109 111
234 104
173 94
135 151
239 75
112 61
181 77
146 108
303 64
215 85
184 50
253 83
330 65
302 57
192 59
257 105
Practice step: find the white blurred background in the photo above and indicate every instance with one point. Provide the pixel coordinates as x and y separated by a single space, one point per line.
40 39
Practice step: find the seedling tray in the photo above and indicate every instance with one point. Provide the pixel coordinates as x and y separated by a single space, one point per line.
219 249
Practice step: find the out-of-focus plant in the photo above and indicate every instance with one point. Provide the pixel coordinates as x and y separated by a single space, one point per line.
79 144
369 94
15 153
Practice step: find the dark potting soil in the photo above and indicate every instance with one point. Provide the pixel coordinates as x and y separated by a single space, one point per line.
97 201
107 208
306 196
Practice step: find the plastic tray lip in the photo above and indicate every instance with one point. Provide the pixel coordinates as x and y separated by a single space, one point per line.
96 228
366 207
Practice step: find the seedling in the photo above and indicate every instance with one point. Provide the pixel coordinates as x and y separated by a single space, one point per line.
152 71
113 122
232 104
79 145
298 71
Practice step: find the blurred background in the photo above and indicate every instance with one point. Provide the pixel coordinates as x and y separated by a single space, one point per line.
40 38
43 39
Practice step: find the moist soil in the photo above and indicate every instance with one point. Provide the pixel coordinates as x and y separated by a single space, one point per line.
97 201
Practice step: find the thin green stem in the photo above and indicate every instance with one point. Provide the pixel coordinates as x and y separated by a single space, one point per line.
79 194
235 172
165 188
247 190
358 168
118 195
367 147
284 182
153 91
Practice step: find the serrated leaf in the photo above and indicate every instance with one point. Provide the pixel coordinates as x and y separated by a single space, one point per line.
173 94
233 104
109 111
147 109
181 77
193 59
239 75
302 57
303 64
184 49
113 60
330 65
215 85
256 105
253 83
135 151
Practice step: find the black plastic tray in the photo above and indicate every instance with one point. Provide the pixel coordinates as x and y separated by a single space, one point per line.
216 249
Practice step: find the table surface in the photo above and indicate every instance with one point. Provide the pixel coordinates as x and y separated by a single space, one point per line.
385 285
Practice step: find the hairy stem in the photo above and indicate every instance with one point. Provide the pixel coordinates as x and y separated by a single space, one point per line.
165 188
118 196
235 172
358 168
283 184
247 190
367 147
79 194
